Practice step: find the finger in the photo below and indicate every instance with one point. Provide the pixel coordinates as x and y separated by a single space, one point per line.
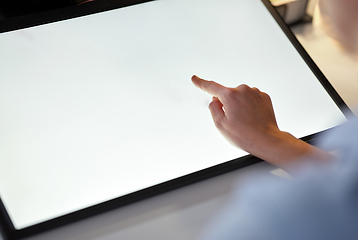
217 112
210 87
256 89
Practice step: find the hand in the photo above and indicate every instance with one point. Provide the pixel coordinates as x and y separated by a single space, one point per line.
245 117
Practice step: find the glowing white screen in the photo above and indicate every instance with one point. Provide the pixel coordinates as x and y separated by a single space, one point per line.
100 106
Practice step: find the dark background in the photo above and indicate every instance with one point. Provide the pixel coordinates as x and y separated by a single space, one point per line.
18 14
15 8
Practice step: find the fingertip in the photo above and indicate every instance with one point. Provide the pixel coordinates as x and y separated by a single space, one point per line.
195 78
210 87
197 81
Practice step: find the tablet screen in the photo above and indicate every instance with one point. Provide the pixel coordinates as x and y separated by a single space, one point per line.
100 106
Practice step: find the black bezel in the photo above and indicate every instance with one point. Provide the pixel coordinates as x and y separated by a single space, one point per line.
6 226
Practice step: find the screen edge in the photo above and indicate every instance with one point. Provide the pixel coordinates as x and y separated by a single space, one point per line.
7 228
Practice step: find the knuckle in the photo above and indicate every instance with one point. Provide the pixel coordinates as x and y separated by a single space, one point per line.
256 89
243 87
209 83
265 95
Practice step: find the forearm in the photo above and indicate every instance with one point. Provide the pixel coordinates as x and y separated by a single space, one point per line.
287 152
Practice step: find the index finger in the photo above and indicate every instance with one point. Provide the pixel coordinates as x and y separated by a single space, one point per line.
211 87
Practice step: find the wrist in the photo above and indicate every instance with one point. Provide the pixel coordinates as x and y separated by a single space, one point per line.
281 148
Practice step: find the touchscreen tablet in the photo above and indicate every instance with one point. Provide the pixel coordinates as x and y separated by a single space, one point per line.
97 107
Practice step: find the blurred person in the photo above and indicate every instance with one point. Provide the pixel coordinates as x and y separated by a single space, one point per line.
339 18
320 203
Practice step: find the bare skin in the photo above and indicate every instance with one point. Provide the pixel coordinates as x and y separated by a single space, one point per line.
245 117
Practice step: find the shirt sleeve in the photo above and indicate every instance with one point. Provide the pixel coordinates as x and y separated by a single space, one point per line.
319 204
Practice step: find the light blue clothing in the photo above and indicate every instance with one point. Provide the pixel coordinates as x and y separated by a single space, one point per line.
321 203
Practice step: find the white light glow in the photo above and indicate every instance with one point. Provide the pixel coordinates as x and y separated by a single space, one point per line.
100 106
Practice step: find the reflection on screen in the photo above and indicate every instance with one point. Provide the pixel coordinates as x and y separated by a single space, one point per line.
100 106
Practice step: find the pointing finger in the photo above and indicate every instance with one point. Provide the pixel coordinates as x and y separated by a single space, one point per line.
210 87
